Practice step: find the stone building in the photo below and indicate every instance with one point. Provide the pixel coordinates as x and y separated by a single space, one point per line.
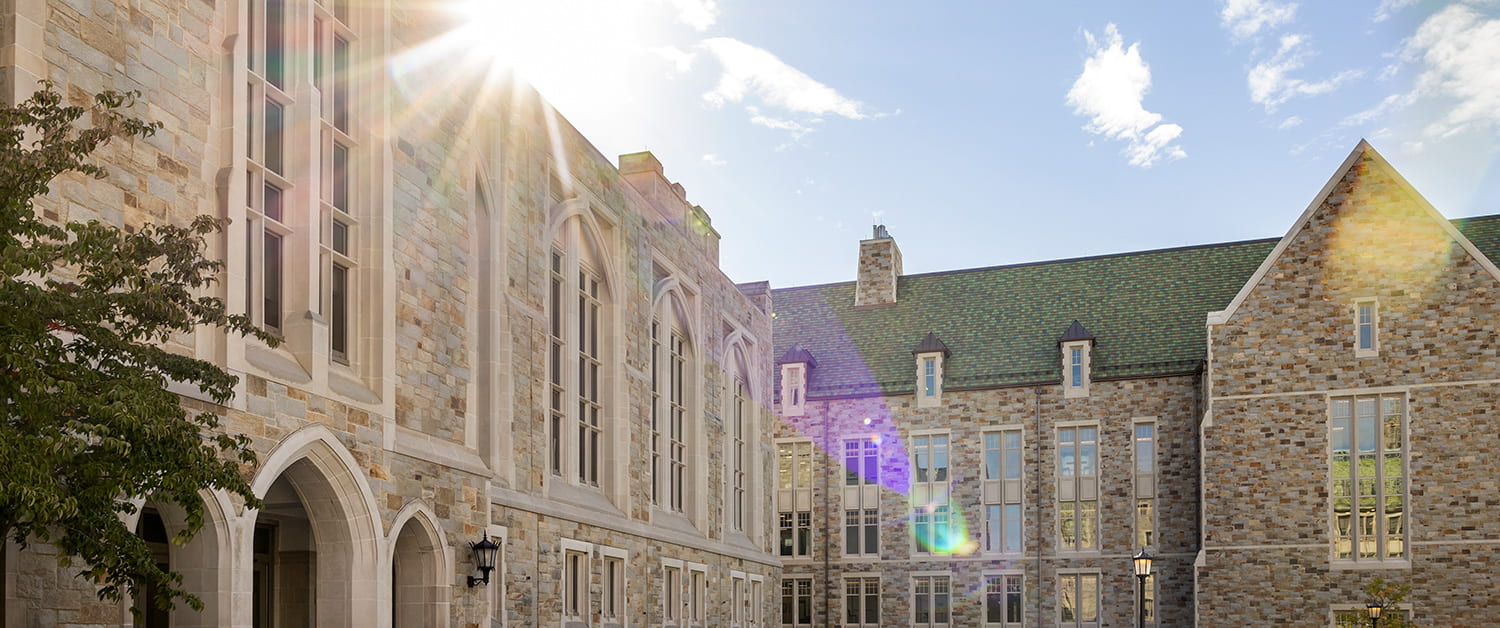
490 331
990 447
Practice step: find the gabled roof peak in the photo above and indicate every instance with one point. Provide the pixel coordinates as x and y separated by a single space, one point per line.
931 344
1075 332
797 354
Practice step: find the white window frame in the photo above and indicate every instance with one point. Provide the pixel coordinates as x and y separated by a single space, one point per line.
1145 482
1077 488
1076 382
1006 493
861 500
930 384
930 498
1383 538
675 396
1005 577
697 597
1373 350
932 578
861 598
798 585
739 599
578 447
757 602
577 605
673 608
794 389
1078 577
794 509
616 595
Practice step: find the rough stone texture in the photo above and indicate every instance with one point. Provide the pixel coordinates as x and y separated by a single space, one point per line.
966 415
879 268
1287 349
409 410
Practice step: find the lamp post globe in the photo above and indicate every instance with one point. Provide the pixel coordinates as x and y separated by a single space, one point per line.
1142 571
1374 609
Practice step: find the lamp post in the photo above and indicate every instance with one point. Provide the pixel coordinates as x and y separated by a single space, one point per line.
484 558
1142 571
1375 609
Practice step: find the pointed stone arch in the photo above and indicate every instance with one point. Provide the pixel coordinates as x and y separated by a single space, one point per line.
204 562
343 521
421 568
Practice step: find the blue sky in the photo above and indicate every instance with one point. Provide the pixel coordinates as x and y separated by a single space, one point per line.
987 133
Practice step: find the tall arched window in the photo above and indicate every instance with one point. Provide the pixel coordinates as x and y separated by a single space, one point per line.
673 382
742 428
577 354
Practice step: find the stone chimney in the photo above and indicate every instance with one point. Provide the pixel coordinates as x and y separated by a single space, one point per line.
879 266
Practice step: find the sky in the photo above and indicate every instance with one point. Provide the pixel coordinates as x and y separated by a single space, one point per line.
990 133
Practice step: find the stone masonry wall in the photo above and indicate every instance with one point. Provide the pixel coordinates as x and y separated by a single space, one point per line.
1287 350
965 415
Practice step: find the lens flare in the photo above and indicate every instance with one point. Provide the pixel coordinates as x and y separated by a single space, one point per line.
940 528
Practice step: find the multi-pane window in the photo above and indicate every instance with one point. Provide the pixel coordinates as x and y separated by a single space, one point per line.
697 597
1075 366
1078 600
590 431
793 389
576 365
1148 598
739 600
796 601
757 602
862 496
671 596
1366 328
931 601
1145 484
1369 477
794 499
669 381
1002 491
1078 488
738 455
333 40
861 601
575 586
929 377
1002 600
267 179
557 388
612 591
932 515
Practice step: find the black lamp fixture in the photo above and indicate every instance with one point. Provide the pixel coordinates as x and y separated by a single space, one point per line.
1142 571
1375 609
484 558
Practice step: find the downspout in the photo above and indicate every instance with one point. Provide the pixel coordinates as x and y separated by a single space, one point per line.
827 548
1038 494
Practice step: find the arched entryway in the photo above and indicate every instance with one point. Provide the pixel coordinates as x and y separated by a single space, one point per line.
313 557
199 562
419 571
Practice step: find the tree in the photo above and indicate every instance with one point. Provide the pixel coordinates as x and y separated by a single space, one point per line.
86 309
1388 594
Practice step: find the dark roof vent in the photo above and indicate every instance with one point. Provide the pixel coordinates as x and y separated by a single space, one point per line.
1075 332
931 344
797 354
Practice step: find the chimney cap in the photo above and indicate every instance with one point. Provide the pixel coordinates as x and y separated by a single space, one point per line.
880 233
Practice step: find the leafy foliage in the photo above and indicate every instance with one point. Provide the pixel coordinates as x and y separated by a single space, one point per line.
86 310
1388 594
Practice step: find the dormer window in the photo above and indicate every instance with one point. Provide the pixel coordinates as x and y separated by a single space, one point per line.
1076 344
930 354
794 366
1366 328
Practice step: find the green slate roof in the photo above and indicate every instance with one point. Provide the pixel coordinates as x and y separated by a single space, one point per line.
1146 310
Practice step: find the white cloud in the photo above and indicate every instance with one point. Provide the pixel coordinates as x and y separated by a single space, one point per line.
1460 53
1290 122
698 14
750 70
1270 81
1389 7
681 60
1246 18
797 129
1109 91
714 160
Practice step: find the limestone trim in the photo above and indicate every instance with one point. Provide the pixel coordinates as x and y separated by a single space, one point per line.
1374 349
438 579
526 502
409 442
1077 368
929 379
1458 542
497 596
1360 150
1378 390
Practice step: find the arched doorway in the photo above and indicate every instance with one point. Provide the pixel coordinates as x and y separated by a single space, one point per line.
203 575
313 561
419 576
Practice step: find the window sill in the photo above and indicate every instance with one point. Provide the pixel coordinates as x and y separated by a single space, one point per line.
675 521
584 497
1367 565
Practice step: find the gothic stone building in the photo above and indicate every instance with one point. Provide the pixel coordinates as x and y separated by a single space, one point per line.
990 447
490 330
